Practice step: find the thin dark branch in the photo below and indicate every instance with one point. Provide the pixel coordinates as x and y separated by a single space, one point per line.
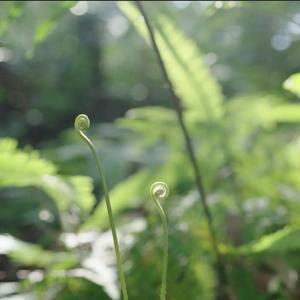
190 150
177 105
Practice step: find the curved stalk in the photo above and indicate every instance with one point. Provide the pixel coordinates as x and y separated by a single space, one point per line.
220 267
81 124
159 191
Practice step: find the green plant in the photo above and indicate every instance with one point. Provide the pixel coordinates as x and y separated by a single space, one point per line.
160 191
82 123
247 147
177 102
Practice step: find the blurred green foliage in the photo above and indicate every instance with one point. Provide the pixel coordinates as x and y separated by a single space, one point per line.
234 64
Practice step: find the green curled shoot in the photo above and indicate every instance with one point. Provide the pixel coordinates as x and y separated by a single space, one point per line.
160 191
81 124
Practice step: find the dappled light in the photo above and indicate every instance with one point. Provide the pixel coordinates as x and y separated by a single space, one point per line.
149 150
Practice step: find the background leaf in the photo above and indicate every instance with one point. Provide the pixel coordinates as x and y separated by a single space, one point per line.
292 84
192 80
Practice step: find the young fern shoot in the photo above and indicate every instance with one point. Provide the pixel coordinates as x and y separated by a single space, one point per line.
160 191
82 123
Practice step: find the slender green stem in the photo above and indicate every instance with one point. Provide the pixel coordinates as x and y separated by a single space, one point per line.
82 123
177 103
159 191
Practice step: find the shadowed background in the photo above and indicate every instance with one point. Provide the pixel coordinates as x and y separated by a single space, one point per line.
231 64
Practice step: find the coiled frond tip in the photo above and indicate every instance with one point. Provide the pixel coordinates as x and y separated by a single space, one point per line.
159 190
82 122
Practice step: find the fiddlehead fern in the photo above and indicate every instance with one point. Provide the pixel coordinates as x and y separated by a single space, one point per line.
82 123
160 191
